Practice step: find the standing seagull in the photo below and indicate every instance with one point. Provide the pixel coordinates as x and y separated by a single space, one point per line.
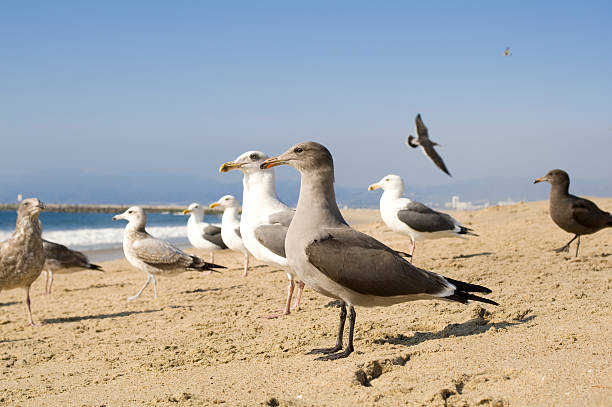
22 256
230 227
152 255
413 218
203 235
342 263
265 219
62 260
571 213
422 140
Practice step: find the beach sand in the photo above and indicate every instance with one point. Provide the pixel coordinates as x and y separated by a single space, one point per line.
203 341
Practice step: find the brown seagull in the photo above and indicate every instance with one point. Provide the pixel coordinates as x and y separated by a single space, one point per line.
422 140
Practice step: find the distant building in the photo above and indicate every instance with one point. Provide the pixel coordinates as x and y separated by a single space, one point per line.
457 205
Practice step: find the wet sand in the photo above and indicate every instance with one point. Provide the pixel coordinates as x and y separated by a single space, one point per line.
202 342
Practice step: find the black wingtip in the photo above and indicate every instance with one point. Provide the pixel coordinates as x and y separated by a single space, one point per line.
467 231
467 287
95 267
213 265
463 298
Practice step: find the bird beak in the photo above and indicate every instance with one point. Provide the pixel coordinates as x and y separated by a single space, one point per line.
230 165
41 205
272 162
117 217
186 211
373 187
214 205
541 179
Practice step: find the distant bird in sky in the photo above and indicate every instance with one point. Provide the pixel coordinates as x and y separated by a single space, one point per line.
62 260
571 213
507 52
422 140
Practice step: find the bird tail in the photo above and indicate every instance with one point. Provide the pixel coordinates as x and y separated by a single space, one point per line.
200 265
463 292
466 231
95 267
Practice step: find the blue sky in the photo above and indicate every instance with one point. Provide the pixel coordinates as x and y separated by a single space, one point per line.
180 87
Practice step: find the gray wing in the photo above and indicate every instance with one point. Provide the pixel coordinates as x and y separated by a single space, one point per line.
213 234
433 155
272 237
64 256
365 265
160 254
283 217
421 129
424 219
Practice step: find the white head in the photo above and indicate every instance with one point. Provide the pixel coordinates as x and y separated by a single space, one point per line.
389 183
195 209
248 163
135 216
227 201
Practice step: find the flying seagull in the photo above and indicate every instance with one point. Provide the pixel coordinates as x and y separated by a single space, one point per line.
342 263
155 256
571 213
422 140
22 256
230 227
203 235
413 218
62 260
507 52
265 219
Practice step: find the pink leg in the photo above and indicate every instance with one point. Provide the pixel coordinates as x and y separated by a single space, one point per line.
212 257
246 265
30 322
46 282
287 309
412 250
50 281
298 297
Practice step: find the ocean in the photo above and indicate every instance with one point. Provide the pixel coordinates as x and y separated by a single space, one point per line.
98 232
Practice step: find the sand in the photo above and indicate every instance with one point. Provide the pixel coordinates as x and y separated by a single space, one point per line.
203 341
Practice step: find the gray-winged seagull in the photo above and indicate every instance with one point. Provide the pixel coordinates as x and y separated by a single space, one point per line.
422 140
155 256
203 235
230 227
265 219
413 218
342 263
22 256
571 213
62 260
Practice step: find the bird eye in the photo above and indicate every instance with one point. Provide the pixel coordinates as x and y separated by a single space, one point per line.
130 211
26 203
254 156
298 150
386 179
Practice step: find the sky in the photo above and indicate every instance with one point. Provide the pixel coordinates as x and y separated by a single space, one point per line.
175 88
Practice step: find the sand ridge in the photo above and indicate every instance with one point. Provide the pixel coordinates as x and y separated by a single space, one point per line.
202 342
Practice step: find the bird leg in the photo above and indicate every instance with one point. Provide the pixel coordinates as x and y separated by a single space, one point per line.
212 257
412 246
28 303
47 286
577 245
298 297
349 348
566 247
338 346
132 298
287 309
154 286
246 265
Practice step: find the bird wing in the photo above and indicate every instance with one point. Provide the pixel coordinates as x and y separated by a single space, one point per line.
237 232
212 233
160 254
424 219
365 265
583 212
433 155
283 217
421 129
272 237
64 256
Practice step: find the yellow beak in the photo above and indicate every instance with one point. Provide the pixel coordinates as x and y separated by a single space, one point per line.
186 211
214 205
230 165
541 179
272 162
373 187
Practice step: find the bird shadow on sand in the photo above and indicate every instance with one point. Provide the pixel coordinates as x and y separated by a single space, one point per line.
98 316
469 256
208 290
6 304
474 326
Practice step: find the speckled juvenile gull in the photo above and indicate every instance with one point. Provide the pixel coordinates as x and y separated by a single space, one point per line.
22 256
154 256
422 140
571 213
203 235
62 260
413 218
230 227
265 219
342 263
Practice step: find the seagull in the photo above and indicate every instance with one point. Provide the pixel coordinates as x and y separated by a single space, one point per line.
571 213
265 219
22 256
413 218
422 140
230 227
342 263
62 260
507 52
155 256
203 235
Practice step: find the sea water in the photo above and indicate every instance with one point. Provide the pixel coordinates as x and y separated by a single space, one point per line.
97 231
